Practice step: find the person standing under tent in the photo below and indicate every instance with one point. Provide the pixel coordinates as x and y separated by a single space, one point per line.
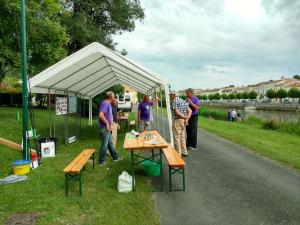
192 127
105 126
144 114
181 116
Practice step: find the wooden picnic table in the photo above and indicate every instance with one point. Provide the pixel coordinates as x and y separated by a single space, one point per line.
137 144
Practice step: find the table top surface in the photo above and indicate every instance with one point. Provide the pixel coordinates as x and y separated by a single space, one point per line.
138 143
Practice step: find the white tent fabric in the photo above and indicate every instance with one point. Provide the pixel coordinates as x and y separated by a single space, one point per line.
95 68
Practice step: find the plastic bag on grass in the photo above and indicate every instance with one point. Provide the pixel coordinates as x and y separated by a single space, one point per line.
125 182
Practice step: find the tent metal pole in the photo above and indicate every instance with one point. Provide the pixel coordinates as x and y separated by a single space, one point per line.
54 127
90 112
168 105
162 117
67 121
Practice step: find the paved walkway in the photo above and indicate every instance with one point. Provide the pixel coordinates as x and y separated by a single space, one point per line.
228 184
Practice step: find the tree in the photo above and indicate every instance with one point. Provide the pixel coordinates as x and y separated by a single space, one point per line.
253 95
281 93
217 96
224 96
245 95
47 37
204 97
99 20
296 77
239 96
211 96
294 93
270 94
232 96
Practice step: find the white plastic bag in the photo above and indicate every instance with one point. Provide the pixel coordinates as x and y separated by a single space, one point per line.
125 182
48 149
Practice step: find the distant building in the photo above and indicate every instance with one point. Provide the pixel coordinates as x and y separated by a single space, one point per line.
261 88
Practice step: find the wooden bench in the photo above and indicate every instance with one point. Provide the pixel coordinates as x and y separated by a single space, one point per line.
176 165
74 169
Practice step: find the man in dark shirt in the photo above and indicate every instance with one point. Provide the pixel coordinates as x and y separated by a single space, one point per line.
115 126
192 127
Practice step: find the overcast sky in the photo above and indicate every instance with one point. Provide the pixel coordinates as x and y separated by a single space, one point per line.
214 43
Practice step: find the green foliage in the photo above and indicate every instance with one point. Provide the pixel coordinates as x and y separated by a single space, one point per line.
239 96
99 20
281 93
117 89
217 96
294 93
232 96
46 36
271 93
211 97
213 113
245 95
296 77
204 97
224 96
253 95
270 125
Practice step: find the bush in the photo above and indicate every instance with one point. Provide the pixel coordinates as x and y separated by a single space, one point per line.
270 125
212 113
290 127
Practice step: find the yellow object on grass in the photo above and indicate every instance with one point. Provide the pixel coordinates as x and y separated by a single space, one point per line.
21 167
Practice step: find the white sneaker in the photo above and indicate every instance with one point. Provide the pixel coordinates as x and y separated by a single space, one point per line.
193 149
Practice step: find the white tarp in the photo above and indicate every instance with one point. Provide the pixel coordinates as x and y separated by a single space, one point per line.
93 69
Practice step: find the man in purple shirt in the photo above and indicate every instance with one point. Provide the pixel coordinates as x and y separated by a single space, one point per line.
105 126
192 127
144 114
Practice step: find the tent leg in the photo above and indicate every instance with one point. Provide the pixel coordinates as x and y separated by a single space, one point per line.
90 112
168 105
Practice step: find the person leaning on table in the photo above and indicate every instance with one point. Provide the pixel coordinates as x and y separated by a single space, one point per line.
181 116
105 126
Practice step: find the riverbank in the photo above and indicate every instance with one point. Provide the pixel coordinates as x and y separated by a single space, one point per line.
291 107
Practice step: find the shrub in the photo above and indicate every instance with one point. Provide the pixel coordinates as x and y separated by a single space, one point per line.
270 125
212 113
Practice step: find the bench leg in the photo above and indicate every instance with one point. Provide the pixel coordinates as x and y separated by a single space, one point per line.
93 160
170 178
80 185
67 184
183 178
176 171
132 171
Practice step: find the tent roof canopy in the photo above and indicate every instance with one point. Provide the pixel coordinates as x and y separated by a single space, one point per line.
92 70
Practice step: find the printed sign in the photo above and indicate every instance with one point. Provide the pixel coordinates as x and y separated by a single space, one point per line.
72 104
61 105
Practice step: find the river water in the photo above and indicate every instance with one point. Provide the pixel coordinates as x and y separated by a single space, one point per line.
271 114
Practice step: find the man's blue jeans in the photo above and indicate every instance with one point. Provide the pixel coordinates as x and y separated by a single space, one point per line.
106 139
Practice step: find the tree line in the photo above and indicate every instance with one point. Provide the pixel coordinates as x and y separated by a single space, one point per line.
271 94
58 28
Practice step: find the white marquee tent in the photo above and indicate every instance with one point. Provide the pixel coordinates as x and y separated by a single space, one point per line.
94 69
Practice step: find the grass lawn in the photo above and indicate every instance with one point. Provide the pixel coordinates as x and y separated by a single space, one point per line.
279 146
44 191
276 145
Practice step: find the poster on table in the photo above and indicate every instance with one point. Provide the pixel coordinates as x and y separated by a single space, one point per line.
61 105
72 104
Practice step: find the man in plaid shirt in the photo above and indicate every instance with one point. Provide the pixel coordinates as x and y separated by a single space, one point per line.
181 116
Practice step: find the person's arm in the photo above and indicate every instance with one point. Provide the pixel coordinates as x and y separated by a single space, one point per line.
177 113
193 105
103 120
189 114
